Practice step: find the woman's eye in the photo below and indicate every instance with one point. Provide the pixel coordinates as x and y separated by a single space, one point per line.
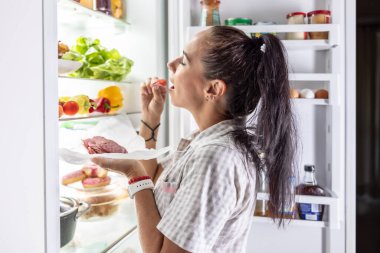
181 61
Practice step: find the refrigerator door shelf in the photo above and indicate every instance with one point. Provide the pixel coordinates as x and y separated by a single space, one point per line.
333 29
74 15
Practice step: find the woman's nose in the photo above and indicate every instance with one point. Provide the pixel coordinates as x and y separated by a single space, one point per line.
171 66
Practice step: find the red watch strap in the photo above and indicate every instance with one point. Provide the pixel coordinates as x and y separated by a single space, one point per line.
136 179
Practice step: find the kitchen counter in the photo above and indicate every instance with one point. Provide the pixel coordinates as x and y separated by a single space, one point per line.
102 235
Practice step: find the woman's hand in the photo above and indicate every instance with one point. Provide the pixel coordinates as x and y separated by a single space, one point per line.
153 96
129 168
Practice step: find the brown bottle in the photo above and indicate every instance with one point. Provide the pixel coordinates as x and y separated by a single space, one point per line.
309 186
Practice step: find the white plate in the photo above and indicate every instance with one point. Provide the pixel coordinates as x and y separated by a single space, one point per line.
67 66
73 157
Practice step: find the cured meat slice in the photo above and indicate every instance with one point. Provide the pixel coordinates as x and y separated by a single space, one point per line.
100 145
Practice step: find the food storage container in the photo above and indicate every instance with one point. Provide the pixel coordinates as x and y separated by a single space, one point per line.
238 21
257 34
105 200
319 17
296 18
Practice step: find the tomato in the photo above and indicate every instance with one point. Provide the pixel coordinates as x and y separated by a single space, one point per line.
60 111
70 108
161 82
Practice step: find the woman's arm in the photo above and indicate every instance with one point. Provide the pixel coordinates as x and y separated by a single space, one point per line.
148 217
153 98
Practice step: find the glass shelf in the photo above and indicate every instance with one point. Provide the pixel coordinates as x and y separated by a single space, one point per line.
100 236
74 15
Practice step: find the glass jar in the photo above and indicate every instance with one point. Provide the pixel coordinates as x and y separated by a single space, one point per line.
117 9
257 34
104 6
296 18
319 17
210 13
87 3
238 21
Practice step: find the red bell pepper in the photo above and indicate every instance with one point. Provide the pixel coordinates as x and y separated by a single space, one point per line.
103 105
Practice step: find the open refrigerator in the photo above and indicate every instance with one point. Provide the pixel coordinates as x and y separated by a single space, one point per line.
151 33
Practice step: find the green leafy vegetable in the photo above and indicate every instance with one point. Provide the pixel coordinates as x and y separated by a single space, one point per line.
98 62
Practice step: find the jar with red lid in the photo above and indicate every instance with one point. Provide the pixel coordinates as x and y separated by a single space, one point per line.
319 17
296 18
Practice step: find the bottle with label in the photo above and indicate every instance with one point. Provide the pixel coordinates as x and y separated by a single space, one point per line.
290 210
309 186
210 12
261 208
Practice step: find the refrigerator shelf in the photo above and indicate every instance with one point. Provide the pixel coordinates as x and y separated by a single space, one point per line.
307 44
333 40
98 81
85 17
333 219
306 101
295 222
333 200
312 77
91 116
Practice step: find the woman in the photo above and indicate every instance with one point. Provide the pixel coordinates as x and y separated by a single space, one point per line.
204 195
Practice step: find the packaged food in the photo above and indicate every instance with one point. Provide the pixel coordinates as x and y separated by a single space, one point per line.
309 186
257 35
238 21
210 12
296 18
319 17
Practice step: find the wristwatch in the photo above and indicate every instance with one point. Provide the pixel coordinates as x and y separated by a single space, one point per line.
139 186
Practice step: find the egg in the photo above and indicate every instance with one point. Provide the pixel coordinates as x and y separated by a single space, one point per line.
294 93
322 93
307 93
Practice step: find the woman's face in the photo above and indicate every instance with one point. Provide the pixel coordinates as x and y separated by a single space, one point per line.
186 76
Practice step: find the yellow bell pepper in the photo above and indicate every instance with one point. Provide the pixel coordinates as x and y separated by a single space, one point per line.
83 102
113 93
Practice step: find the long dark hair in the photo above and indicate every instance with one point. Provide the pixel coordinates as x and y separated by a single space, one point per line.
256 74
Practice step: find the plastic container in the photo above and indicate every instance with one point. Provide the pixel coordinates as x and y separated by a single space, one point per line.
257 35
104 200
238 21
319 17
296 18
210 13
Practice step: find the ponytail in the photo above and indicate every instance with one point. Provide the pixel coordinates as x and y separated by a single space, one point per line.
255 71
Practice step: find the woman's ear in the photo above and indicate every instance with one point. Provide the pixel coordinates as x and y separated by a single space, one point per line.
216 88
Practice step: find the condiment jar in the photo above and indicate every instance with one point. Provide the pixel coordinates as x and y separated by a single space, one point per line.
257 34
319 17
293 19
210 12
238 21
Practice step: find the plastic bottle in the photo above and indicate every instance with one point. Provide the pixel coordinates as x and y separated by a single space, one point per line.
261 208
309 186
210 12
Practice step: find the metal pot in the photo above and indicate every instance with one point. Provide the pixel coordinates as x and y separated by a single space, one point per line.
70 212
